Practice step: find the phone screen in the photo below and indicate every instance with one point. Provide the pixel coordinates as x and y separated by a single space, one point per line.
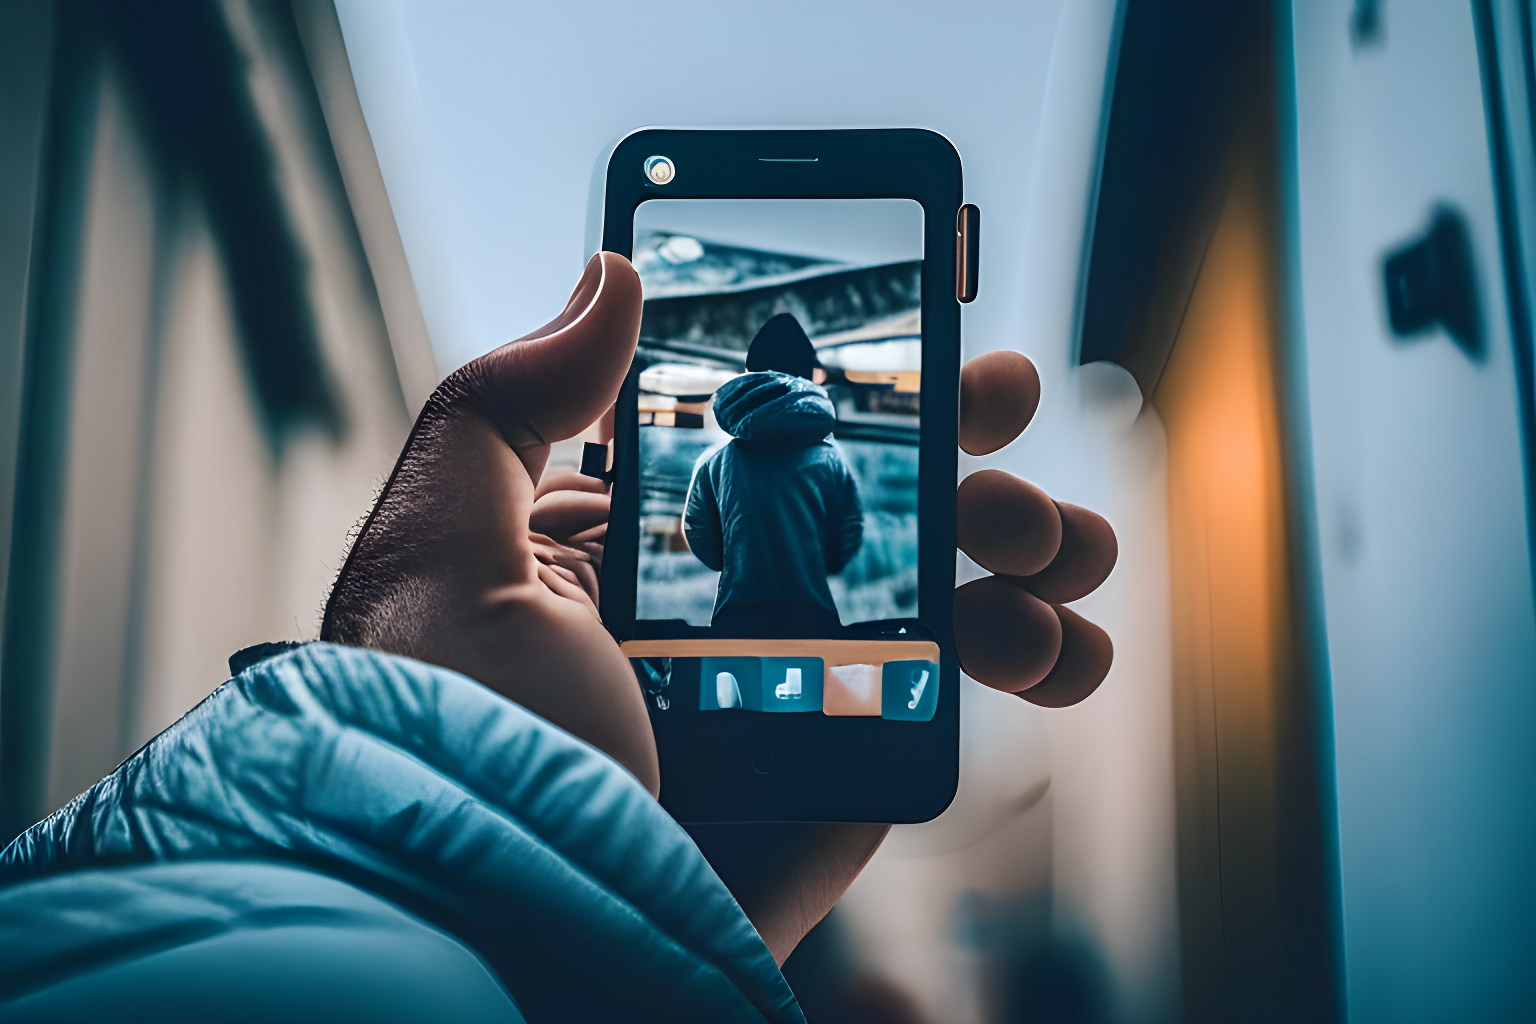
780 408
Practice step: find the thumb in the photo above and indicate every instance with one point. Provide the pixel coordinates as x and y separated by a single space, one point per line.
551 384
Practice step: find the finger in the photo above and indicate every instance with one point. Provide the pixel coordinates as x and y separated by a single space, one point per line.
1087 556
550 385
562 583
594 552
1005 636
1006 525
552 552
1086 654
578 563
592 543
569 482
999 392
597 535
586 577
563 513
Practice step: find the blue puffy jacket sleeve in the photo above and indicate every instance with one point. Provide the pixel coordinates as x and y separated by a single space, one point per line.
424 789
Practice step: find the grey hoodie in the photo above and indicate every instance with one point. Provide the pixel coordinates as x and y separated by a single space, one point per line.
776 509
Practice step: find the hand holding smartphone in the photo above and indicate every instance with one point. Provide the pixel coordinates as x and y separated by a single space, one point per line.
833 723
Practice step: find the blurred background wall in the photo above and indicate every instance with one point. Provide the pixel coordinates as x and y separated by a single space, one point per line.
202 388
1273 260
1413 147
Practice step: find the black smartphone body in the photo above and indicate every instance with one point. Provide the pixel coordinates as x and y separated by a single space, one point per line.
780 558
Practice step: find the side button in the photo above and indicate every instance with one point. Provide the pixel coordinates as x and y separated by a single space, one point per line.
967 252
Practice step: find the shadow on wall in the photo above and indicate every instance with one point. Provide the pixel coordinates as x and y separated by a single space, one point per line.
1037 974
1063 982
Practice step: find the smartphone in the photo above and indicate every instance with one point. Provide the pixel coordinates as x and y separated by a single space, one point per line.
780 559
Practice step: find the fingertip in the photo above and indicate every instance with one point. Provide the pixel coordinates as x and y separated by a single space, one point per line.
999 393
1005 637
553 383
620 296
1087 555
1084 662
607 279
596 535
618 270
1005 524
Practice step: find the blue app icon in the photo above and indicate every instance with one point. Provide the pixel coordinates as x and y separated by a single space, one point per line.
730 684
909 690
790 684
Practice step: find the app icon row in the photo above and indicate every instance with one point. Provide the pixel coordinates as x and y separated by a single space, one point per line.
902 690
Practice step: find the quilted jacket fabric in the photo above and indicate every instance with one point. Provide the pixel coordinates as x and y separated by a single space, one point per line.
435 795
238 942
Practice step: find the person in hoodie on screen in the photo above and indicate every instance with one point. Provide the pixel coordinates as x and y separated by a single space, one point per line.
776 509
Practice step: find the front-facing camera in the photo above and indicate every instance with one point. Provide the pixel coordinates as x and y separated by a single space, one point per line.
659 170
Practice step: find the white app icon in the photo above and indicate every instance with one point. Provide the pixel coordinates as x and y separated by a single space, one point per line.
790 687
917 691
727 693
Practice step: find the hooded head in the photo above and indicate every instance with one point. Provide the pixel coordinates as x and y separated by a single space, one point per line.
781 345
774 407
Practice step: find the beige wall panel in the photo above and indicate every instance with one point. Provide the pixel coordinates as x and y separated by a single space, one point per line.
112 348
214 503
324 488
186 537
247 546
1111 757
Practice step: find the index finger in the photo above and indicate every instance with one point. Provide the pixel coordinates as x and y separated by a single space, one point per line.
999 393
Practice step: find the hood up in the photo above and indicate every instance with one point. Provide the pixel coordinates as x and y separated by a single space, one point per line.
772 406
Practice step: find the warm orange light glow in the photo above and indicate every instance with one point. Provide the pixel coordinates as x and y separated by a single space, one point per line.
1228 550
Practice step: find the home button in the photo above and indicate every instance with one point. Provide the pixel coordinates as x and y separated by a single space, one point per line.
762 763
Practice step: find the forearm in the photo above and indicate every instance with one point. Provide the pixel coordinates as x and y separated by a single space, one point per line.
788 876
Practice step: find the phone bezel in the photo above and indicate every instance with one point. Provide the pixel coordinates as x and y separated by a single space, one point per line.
824 768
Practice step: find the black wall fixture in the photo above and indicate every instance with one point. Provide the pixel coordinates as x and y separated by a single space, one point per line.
1431 283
